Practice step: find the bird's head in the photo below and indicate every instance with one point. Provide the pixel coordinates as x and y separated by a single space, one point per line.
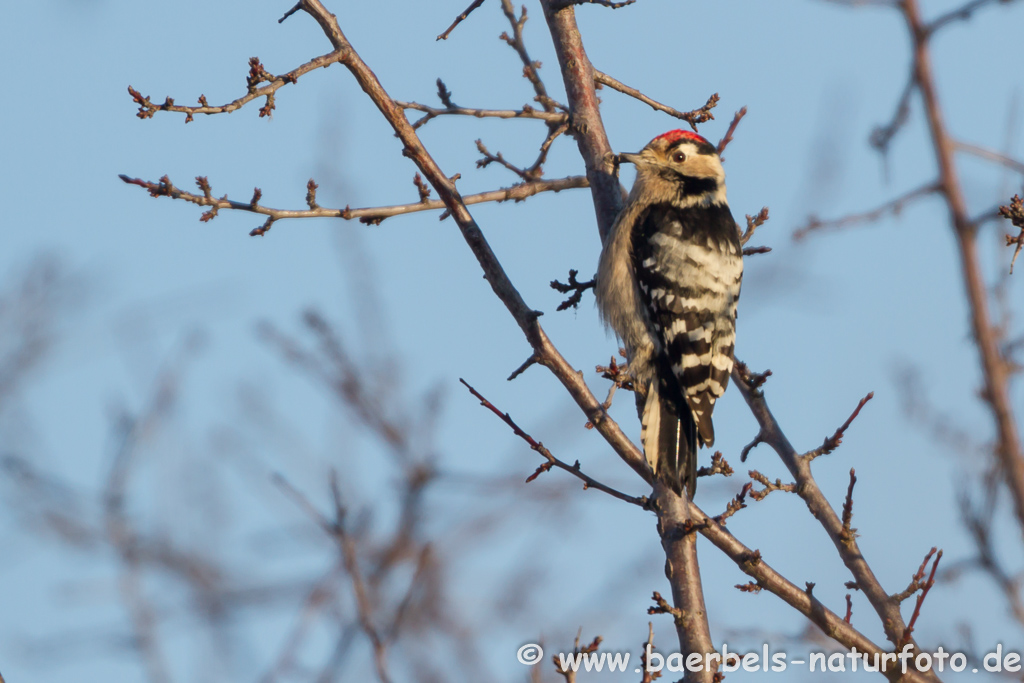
681 167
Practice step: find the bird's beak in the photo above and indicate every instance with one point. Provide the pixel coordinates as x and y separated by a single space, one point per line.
630 158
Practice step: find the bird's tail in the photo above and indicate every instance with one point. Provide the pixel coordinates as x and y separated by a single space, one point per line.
669 436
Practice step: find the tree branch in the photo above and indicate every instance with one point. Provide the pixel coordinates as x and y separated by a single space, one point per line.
257 75
552 461
893 206
807 488
995 369
753 565
459 19
691 117
371 215
524 113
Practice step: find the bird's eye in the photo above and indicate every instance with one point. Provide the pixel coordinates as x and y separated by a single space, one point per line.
679 157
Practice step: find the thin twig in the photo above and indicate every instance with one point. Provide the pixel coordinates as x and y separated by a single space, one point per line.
530 67
727 138
881 136
257 74
991 155
832 442
961 14
893 206
995 370
807 488
693 118
769 486
735 505
753 223
459 19
1014 212
552 461
370 215
925 587
526 112
766 578
562 4
848 530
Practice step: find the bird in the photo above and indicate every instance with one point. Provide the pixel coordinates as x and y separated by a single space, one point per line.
668 283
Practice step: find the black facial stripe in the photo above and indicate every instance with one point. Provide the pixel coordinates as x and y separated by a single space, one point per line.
689 185
697 186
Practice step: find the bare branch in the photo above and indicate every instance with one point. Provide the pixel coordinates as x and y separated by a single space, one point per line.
753 565
530 67
562 4
577 288
691 117
552 461
489 159
881 136
893 206
527 112
753 223
806 487
337 530
769 486
1014 212
832 442
373 215
532 360
661 606
587 127
990 155
995 369
962 13
719 465
727 138
257 75
735 505
459 19
925 587
848 531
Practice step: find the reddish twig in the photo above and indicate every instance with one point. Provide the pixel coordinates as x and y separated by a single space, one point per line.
727 138
1014 212
647 646
924 587
832 442
848 531
753 223
735 505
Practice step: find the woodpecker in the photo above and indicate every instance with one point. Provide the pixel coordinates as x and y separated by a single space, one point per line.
667 283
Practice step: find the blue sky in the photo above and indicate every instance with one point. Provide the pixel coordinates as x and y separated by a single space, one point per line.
834 317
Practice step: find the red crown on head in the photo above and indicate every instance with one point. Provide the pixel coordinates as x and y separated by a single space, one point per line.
674 135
